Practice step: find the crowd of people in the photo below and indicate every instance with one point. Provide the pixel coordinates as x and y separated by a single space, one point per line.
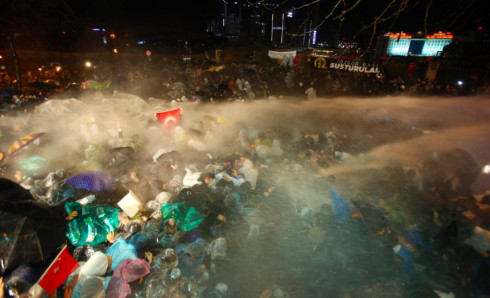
234 222
205 80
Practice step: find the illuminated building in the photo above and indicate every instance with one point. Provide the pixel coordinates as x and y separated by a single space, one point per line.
403 44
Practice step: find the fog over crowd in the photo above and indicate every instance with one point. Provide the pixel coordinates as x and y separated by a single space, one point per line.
323 189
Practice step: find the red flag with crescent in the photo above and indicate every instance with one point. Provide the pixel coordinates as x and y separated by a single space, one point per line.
169 119
59 270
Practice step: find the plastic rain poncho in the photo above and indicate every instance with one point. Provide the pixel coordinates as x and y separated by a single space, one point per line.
92 224
93 288
249 173
186 219
340 206
191 256
218 248
95 266
96 156
408 264
126 272
120 251
165 260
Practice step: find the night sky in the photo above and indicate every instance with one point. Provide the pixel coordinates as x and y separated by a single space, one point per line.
148 13
190 17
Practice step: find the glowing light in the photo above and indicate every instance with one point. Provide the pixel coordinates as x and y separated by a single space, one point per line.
441 34
460 83
1 57
88 64
58 68
115 51
112 35
399 35
486 169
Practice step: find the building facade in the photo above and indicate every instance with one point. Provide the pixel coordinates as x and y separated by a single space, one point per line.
403 44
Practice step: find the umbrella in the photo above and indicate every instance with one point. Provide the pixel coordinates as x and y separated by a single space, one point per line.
19 242
44 87
209 90
121 155
90 84
340 206
92 180
174 94
23 142
212 76
33 164
179 87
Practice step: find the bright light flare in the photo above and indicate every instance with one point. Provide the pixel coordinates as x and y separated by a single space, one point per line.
486 169
88 64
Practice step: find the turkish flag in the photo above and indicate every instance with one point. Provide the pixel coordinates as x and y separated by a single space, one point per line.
59 270
169 119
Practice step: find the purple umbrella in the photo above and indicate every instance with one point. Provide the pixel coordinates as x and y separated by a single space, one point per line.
92 180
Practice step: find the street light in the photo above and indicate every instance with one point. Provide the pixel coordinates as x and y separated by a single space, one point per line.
88 64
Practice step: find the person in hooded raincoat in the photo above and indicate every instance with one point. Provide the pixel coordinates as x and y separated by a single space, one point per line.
247 170
122 249
96 266
90 224
191 256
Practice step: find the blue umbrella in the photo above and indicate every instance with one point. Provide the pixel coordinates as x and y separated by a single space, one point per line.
340 206
92 180
406 255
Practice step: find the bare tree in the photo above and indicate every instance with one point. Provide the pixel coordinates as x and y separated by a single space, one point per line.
29 17
369 15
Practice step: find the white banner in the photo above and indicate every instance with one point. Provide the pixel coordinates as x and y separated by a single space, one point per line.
347 65
281 55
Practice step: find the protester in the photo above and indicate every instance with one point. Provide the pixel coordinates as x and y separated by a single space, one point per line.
204 210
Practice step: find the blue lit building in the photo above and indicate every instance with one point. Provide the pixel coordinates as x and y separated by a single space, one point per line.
403 44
